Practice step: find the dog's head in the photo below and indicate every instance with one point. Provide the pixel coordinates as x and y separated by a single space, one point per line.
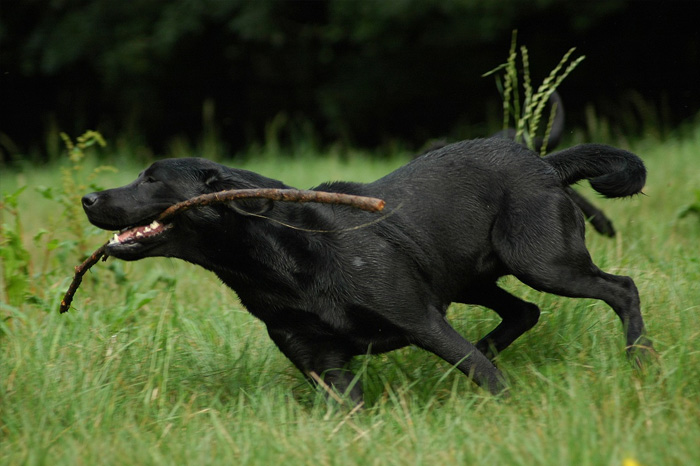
132 210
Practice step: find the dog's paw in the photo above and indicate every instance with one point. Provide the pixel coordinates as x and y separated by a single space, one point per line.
642 353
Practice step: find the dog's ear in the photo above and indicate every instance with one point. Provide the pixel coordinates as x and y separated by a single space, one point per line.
216 180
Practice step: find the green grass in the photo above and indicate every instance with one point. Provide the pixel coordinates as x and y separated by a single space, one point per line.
159 364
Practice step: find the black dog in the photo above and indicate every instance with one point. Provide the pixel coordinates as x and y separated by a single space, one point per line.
331 282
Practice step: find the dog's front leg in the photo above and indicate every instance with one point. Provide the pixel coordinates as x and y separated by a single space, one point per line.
322 361
438 337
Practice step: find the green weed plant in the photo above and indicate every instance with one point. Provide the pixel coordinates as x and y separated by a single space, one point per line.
526 113
22 276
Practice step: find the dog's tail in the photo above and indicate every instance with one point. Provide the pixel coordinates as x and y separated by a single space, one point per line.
612 172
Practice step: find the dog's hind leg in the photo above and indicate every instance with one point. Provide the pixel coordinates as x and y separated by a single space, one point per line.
619 292
438 337
518 317
547 252
595 216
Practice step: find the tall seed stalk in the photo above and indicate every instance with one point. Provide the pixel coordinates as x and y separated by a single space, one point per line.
526 116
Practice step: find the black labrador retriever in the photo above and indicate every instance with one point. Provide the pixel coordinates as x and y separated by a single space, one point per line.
331 282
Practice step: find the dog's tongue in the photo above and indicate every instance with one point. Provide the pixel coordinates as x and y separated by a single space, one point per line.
137 233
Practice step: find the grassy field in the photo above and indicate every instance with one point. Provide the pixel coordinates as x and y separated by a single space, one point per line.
159 364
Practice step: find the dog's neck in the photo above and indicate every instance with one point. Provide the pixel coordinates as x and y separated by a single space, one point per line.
271 267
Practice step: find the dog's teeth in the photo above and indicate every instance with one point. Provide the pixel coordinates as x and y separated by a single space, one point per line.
154 225
138 234
147 230
115 239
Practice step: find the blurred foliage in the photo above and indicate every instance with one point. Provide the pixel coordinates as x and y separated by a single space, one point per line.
23 279
360 70
691 208
15 264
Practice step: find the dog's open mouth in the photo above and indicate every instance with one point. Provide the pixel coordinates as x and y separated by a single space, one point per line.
139 233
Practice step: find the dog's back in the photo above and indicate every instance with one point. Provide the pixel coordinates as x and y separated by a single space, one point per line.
442 208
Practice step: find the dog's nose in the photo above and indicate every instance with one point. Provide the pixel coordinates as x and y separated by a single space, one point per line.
89 200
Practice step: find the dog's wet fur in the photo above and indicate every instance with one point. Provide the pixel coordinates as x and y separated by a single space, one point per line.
331 282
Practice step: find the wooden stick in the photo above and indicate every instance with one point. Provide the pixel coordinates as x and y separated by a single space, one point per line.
78 277
370 204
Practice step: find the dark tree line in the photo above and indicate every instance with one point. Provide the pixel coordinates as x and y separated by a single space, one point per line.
360 71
